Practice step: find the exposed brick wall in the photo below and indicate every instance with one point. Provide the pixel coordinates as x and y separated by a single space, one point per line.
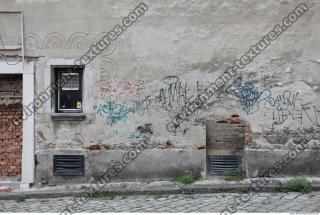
10 110
225 134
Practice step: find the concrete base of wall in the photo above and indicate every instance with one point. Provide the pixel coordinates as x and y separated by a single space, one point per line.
305 164
149 165
164 164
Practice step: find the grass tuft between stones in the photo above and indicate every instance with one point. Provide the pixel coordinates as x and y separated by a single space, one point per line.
102 194
240 175
20 198
185 179
300 184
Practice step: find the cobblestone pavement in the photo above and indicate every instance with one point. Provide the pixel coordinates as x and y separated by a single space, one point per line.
260 202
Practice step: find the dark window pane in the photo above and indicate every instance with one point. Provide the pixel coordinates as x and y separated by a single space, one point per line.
69 96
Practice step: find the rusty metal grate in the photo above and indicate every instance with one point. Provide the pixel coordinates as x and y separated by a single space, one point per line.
223 164
68 165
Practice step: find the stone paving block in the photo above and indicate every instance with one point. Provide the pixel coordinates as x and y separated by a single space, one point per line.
251 208
290 197
173 203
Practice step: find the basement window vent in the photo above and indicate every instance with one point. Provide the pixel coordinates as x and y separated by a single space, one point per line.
223 164
68 165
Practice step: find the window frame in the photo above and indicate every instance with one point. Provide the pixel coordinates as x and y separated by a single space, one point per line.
57 71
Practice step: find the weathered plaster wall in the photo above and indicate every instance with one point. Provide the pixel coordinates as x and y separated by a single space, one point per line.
194 41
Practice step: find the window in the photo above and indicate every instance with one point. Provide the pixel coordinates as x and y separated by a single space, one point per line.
69 93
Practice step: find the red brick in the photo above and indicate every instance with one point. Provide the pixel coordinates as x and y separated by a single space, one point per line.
5 189
10 140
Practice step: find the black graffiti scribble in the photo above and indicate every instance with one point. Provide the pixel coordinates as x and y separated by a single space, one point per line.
175 93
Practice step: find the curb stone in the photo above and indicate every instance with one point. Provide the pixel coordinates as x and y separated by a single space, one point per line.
155 188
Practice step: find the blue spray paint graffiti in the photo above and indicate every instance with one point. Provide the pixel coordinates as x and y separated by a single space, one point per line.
250 97
135 135
117 112
138 135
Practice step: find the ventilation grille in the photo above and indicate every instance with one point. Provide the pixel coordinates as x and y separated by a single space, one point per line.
223 164
68 165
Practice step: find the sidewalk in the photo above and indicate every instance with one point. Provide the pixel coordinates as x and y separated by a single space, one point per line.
157 187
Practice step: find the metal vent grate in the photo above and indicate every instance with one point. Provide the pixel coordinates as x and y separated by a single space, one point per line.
223 164
68 165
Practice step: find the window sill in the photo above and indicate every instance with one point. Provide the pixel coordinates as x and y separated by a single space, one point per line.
73 117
